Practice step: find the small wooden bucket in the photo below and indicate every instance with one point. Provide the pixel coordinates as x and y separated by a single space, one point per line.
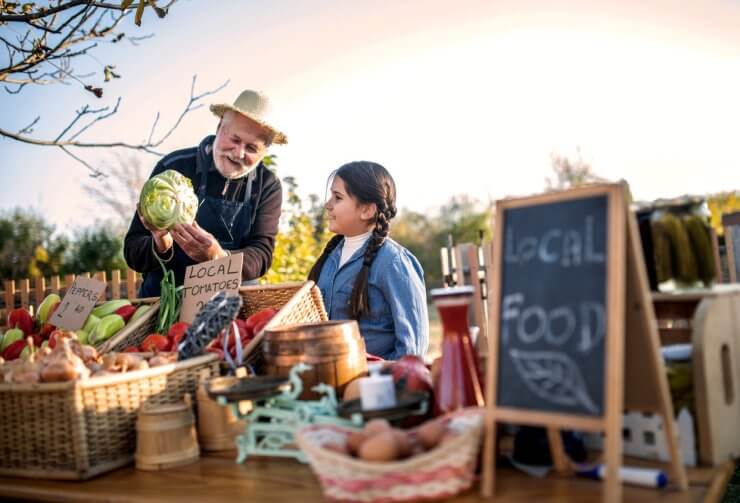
217 425
335 350
165 436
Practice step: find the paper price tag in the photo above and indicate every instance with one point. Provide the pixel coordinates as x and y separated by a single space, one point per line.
77 303
204 280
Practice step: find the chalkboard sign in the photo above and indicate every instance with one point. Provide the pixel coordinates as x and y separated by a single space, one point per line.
567 279
552 321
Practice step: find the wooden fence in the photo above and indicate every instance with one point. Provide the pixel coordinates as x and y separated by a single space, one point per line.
29 293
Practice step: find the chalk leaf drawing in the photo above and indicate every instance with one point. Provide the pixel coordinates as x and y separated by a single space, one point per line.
553 376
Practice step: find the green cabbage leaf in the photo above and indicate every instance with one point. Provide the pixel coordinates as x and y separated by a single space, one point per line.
168 199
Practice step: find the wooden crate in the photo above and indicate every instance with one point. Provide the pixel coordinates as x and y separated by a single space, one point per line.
709 320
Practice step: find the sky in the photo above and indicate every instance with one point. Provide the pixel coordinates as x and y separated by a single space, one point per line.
470 97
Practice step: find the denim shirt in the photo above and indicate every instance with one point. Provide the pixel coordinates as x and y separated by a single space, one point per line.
398 323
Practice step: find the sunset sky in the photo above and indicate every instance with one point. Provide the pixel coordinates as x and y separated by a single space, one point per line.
471 99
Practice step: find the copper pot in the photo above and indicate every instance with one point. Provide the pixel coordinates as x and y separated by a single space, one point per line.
335 350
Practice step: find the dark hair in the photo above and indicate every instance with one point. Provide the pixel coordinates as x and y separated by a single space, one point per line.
369 183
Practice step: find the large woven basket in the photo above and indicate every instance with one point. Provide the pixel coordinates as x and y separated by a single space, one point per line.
76 430
439 473
296 303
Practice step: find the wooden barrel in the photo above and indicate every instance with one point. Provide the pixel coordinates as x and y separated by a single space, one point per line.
217 425
165 436
335 350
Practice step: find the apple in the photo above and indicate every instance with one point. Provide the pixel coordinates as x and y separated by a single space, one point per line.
47 307
410 374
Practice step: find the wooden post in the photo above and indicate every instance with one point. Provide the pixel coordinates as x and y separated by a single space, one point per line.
69 279
115 284
55 284
131 283
25 288
10 295
101 276
459 267
39 290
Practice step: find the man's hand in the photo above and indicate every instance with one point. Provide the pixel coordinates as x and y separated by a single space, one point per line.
198 244
162 238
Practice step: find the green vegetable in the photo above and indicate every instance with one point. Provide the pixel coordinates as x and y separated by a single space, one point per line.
168 199
169 300
107 328
140 311
110 307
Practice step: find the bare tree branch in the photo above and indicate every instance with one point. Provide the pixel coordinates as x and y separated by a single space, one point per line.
94 172
29 128
71 4
100 114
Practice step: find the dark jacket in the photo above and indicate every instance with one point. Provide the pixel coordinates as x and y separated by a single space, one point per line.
257 245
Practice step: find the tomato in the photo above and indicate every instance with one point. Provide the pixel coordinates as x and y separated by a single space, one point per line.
21 318
14 350
126 312
176 334
260 318
155 342
131 349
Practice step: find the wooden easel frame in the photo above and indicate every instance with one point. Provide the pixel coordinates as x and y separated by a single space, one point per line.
624 259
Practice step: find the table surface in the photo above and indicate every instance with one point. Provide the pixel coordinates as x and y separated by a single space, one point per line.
216 477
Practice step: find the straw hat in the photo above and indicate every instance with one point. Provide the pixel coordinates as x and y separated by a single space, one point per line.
255 106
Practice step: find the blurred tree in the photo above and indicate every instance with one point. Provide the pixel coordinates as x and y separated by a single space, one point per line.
27 245
721 203
570 173
301 238
462 217
95 249
120 189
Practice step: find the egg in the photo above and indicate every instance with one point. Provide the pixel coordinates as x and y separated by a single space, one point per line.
355 440
429 434
405 447
376 426
380 447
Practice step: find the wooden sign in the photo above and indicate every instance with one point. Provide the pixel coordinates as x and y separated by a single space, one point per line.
561 268
77 303
204 280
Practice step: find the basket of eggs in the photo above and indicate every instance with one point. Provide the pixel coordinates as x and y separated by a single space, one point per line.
379 463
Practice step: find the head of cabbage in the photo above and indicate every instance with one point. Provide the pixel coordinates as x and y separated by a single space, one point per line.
168 199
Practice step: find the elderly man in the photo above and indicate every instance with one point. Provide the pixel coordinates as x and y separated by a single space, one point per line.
239 199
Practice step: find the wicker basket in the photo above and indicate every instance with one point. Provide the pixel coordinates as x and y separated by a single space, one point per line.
297 303
76 430
439 473
133 333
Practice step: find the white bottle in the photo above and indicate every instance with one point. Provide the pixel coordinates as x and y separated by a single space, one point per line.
377 391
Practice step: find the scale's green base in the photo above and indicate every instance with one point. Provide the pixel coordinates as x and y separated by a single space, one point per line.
273 421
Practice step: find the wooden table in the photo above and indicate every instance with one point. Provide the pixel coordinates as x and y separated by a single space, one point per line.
216 477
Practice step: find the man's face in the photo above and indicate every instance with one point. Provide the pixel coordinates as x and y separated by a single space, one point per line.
239 146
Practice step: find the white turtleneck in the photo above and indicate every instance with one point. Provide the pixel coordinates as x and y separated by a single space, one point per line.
351 245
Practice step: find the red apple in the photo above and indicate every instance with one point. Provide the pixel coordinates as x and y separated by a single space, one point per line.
410 374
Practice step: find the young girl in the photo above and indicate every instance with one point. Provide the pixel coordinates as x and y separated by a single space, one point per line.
363 274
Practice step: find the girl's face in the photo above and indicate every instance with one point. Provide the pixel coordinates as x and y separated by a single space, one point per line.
347 216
